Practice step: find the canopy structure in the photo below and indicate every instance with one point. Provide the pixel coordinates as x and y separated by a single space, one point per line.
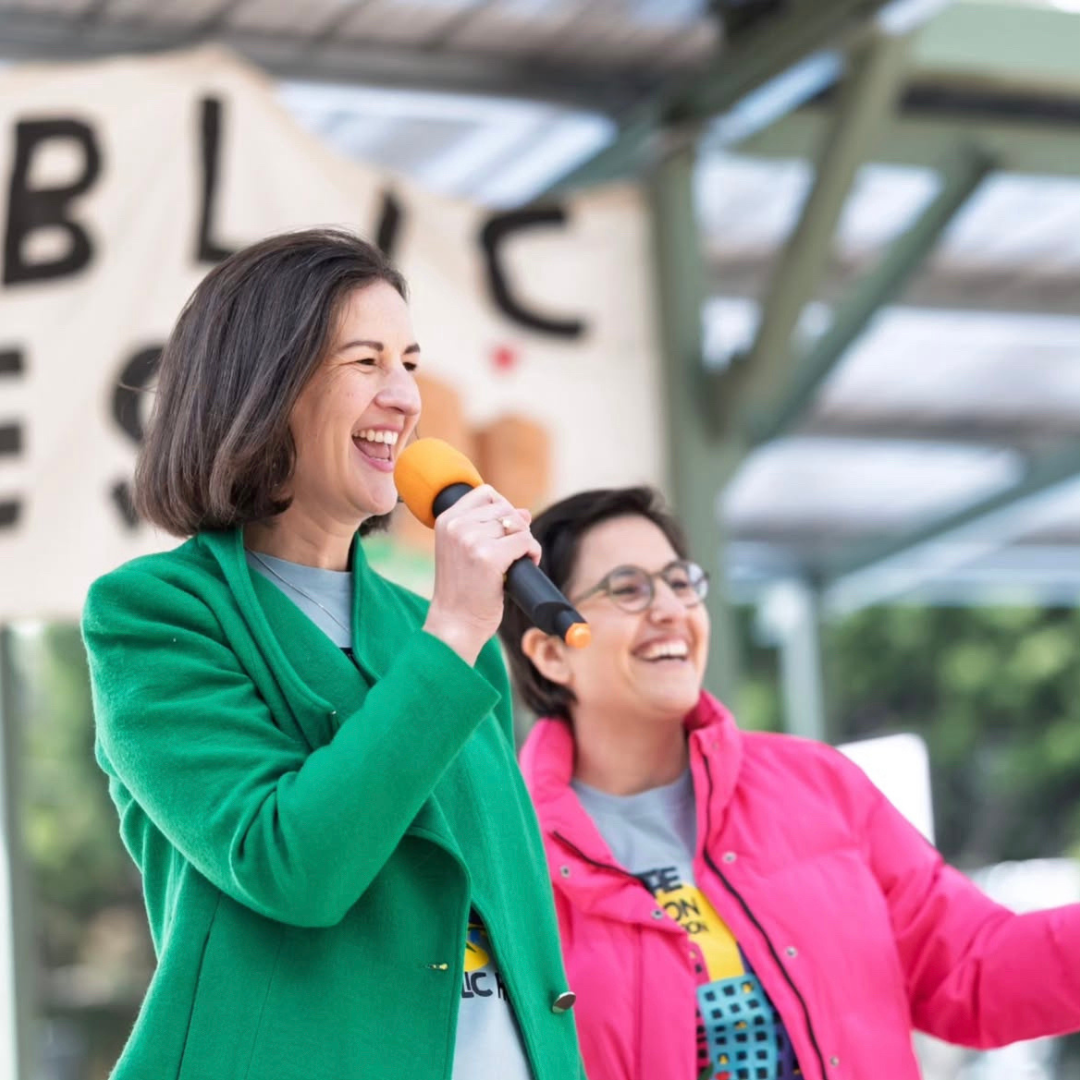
868 241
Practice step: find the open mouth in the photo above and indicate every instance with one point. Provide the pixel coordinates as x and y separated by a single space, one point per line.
376 444
664 652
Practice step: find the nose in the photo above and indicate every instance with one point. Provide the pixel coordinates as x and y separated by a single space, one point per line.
400 393
665 606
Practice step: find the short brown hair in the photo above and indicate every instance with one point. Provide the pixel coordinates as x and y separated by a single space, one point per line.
560 530
219 452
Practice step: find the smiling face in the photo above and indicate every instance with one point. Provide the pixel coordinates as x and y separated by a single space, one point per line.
356 413
646 665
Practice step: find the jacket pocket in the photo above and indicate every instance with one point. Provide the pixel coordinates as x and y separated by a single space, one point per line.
235 972
195 995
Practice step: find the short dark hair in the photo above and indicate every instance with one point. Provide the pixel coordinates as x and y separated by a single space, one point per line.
218 451
560 530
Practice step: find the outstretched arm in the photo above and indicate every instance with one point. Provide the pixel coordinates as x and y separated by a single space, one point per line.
977 973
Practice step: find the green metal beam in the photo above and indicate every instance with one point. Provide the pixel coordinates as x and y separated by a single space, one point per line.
960 178
1007 44
922 140
988 43
866 98
879 571
699 463
625 156
770 48
764 52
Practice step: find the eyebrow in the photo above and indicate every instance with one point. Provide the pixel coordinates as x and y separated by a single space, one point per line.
378 346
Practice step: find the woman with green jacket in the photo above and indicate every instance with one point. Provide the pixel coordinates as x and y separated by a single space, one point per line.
314 768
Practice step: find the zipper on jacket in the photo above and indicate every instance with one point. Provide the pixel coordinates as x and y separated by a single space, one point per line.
761 930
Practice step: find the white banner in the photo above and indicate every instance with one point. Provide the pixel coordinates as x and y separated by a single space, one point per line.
124 181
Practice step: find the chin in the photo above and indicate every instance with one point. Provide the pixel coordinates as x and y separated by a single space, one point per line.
379 510
675 706
376 503
683 703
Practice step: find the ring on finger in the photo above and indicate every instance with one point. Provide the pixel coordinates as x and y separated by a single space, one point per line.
507 524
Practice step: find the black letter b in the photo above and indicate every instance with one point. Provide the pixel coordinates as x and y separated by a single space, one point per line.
29 209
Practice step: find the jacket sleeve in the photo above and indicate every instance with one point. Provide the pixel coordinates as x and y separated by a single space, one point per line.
492 666
297 835
977 973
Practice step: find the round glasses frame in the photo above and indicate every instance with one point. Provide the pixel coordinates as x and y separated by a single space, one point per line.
633 588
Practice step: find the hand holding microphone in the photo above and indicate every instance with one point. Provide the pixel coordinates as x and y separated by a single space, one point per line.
483 549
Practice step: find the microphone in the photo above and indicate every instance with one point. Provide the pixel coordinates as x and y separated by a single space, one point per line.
431 476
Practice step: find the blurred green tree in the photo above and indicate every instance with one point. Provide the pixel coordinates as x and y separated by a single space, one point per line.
995 692
94 953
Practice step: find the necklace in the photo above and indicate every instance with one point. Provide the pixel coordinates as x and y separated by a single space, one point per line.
296 589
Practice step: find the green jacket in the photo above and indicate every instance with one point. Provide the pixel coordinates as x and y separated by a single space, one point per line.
311 836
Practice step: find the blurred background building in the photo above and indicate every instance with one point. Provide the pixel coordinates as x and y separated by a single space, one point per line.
857 376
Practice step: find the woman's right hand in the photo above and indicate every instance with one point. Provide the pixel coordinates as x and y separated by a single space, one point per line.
476 541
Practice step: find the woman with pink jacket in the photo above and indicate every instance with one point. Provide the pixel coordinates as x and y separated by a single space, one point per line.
738 905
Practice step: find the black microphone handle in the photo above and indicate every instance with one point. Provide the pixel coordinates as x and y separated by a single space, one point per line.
533 591
526 584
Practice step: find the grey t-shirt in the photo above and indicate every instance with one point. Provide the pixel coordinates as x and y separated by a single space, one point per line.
488 1044
654 835
655 828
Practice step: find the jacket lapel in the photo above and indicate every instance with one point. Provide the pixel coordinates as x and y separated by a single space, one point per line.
715 739
381 620
582 866
318 679
302 657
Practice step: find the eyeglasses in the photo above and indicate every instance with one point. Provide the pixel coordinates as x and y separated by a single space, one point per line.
634 589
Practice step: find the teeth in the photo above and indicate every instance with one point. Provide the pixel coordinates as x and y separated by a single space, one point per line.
379 436
666 649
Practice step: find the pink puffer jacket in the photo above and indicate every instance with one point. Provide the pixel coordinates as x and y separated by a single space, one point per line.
855 926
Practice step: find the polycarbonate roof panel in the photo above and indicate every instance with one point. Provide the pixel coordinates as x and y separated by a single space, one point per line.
491 150
750 206
932 410
1021 574
66 7
988 373
1024 551
659 35
844 488
1014 220
961 368
729 324
402 20
1056 521
284 16
517 26
167 12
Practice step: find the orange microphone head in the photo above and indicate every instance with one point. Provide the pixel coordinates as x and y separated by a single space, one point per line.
425 468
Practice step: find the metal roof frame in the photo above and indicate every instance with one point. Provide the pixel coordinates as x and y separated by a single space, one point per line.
1023 127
